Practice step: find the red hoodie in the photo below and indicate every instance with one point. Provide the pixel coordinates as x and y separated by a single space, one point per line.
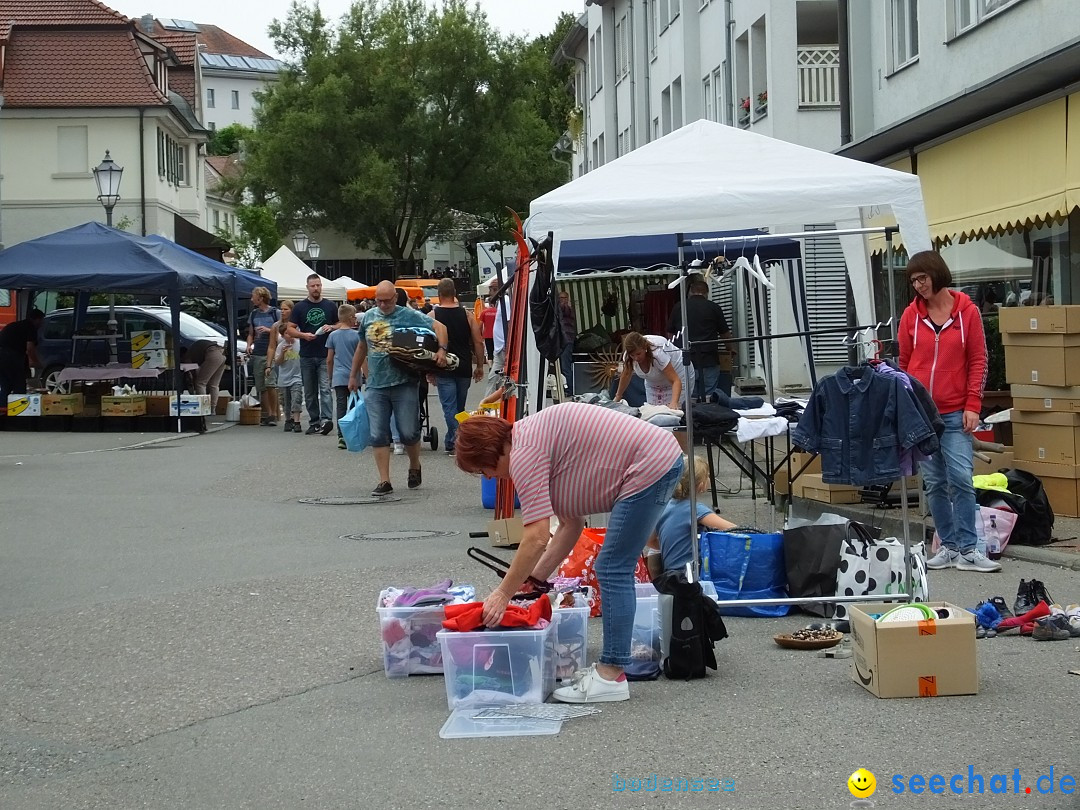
952 363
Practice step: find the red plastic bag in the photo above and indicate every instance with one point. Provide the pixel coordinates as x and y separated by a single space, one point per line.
582 559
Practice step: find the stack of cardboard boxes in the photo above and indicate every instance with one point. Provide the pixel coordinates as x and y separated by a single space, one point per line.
151 348
1042 364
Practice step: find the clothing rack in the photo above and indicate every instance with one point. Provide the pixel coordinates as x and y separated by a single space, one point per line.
888 231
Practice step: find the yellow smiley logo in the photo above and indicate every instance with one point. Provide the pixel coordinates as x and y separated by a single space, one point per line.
862 784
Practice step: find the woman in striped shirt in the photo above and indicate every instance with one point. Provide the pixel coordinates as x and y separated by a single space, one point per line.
570 461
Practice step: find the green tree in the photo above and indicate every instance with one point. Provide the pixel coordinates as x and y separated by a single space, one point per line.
228 140
259 235
381 128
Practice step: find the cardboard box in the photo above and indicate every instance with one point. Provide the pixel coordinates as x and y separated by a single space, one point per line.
191 405
152 358
998 461
24 405
1065 398
1039 319
506 532
812 488
1045 360
798 460
158 404
123 406
1061 482
913 659
1048 436
149 339
61 404
222 406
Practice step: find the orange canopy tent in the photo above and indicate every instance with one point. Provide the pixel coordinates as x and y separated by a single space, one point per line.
368 293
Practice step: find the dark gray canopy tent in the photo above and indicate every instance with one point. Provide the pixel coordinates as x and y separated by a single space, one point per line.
95 258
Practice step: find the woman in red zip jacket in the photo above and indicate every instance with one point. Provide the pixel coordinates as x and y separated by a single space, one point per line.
942 345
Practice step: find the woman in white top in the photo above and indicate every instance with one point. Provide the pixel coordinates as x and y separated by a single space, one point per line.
660 363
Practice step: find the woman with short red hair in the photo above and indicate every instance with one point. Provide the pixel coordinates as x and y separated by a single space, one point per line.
569 461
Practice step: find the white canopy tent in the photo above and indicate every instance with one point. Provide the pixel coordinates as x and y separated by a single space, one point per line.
349 283
710 177
290 273
981 261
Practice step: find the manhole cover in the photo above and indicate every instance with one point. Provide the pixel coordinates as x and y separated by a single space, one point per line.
351 501
402 534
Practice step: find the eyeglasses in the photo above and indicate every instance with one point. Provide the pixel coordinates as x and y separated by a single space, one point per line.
920 280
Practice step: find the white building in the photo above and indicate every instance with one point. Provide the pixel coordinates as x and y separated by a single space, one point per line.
116 89
980 99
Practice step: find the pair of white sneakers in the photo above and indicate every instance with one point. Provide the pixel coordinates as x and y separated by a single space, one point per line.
588 686
974 560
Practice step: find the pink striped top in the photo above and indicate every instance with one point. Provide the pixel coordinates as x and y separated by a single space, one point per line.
576 459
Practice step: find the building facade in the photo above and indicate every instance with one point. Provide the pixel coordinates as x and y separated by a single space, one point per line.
981 99
77 80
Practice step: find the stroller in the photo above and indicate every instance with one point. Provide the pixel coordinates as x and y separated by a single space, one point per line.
428 432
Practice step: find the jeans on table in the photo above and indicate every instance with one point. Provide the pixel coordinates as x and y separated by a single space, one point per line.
632 520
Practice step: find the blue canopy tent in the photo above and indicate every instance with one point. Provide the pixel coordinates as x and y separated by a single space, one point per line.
95 258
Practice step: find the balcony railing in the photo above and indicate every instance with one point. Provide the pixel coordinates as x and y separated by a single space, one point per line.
819 75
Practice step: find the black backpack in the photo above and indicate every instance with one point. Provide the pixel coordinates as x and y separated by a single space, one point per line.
696 624
1026 496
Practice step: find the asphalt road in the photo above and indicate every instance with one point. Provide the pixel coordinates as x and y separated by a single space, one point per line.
177 630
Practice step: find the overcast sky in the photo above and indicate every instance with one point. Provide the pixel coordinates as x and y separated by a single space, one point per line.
249 19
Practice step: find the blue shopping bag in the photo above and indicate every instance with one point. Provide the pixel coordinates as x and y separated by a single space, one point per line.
745 566
354 425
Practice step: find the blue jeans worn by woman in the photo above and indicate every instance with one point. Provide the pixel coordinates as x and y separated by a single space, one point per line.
632 520
452 394
949 491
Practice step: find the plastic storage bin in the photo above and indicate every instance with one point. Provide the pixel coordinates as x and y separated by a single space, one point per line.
571 640
498 667
645 638
410 646
487 493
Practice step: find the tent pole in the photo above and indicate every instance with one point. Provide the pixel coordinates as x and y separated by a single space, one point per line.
686 403
178 374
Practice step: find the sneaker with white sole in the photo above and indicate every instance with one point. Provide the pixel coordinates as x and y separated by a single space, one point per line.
975 560
589 687
945 558
399 449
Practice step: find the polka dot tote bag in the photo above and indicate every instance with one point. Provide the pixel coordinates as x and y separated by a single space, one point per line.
869 566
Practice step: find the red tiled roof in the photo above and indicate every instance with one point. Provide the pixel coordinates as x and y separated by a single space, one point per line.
182 43
182 81
77 68
219 41
58 12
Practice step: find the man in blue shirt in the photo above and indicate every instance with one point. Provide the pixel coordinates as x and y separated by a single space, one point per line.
391 389
312 320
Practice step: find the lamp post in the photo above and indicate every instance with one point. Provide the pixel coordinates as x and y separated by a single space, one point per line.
303 244
107 177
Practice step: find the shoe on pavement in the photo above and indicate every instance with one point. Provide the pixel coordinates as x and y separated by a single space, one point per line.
589 687
399 449
1051 628
297 427
341 444
415 478
1024 601
945 558
326 427
975 560
1039 592
384 488
1002 608
313 428
289 425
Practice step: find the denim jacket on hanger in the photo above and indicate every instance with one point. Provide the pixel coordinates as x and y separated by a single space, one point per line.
858 420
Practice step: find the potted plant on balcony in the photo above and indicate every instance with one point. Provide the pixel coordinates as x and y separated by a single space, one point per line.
575 125
762 102
744 111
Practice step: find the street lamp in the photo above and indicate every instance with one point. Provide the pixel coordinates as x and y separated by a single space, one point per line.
313 249
300 242
107 176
